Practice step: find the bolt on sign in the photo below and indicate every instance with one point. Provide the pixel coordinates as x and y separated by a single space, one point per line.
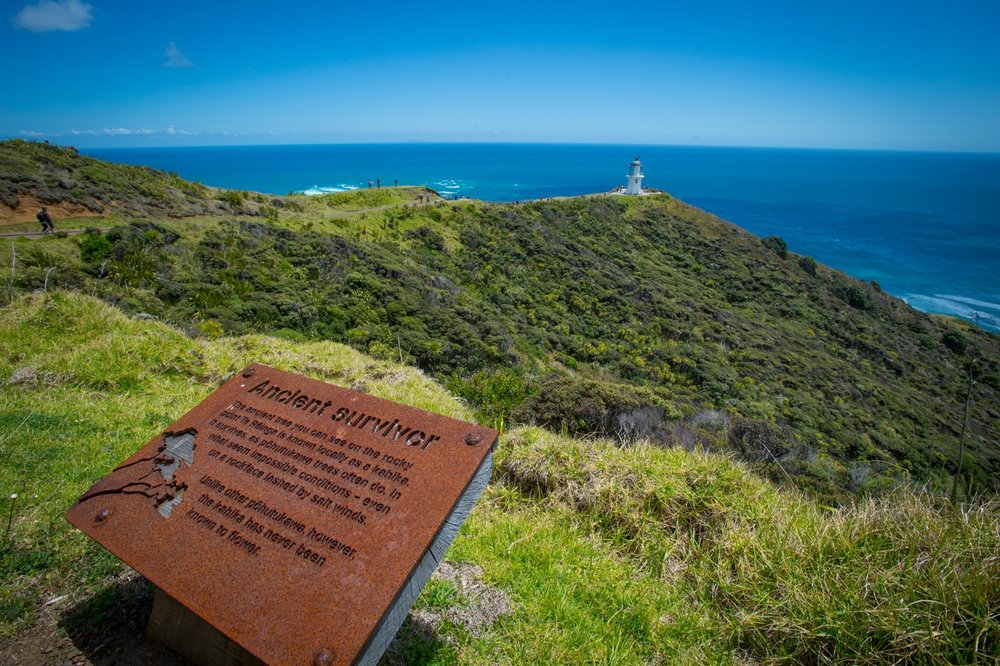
299 519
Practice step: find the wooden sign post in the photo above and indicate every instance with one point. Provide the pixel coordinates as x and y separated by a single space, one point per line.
298 519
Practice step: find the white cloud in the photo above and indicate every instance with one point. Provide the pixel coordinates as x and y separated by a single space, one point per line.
52 15
110 131
107 131
174 57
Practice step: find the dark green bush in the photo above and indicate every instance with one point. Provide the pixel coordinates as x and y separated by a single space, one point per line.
232 197
777 245
431 239
496 393
808 264
955 340
757 441
94 246
853 294
591 407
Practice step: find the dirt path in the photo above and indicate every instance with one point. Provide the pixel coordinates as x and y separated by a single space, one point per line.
330 215
39 234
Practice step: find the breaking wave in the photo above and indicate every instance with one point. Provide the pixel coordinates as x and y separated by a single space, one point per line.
959 306
316 190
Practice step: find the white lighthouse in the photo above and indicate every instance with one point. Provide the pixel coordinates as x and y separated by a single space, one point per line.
635 178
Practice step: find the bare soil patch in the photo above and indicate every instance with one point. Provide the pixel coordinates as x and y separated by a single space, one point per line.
102 629
28 206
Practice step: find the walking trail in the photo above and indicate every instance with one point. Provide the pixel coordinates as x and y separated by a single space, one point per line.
73 232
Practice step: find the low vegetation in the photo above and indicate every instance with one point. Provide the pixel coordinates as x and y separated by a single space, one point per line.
49 174
684 324
604 550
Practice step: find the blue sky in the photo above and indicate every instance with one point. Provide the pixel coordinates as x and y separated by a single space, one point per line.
881 75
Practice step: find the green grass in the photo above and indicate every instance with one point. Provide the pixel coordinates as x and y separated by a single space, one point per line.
360 199
82 386
904 578
575 601
609 555
62 224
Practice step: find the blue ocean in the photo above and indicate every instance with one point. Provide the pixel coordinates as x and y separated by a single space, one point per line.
924 226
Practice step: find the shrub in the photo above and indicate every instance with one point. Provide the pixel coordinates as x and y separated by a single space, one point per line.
757 441
430 238
211 329
583 406
94 246
706 429
853 294
232 197
856 297
955 340
777 244
37 257
808 264
496 392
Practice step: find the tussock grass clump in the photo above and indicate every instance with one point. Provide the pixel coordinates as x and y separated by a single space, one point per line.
902 578
893 579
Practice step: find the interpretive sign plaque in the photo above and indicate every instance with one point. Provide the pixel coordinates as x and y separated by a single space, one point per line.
298 518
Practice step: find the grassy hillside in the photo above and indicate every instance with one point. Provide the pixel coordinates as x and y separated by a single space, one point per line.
629 318
602 553
39 174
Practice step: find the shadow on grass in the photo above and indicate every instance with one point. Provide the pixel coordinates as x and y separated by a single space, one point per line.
417 642
110 626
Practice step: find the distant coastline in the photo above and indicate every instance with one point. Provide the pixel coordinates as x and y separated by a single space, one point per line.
922 224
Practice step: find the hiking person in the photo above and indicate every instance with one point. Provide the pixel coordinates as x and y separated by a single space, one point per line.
46 220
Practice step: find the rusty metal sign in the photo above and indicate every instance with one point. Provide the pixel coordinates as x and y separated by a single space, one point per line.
286 512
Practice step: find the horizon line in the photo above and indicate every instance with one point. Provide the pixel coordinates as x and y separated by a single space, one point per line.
516 143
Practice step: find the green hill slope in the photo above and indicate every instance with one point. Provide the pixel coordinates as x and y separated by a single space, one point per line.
632 318
580 551
37 174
